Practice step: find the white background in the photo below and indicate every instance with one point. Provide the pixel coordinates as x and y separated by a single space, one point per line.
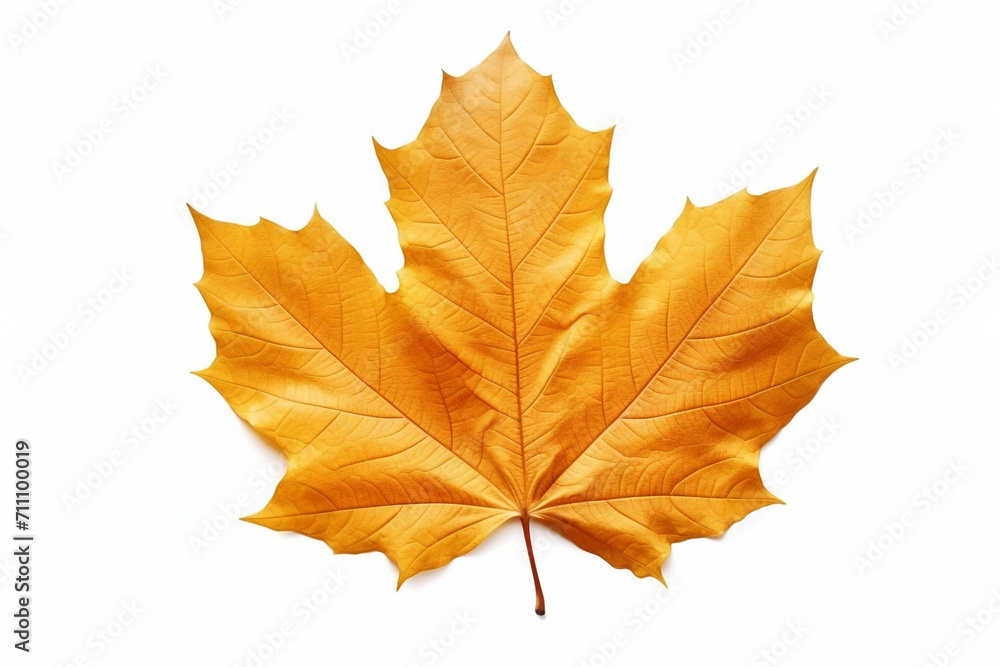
682 129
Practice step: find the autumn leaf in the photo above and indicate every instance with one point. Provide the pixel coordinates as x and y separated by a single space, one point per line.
510 377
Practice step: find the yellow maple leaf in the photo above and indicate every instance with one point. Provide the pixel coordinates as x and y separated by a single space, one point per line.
509 376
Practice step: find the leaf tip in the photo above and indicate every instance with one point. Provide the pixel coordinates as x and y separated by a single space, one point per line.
506 48
199 218
255 519
808 180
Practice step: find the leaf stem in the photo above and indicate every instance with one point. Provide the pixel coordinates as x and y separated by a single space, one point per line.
539 597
